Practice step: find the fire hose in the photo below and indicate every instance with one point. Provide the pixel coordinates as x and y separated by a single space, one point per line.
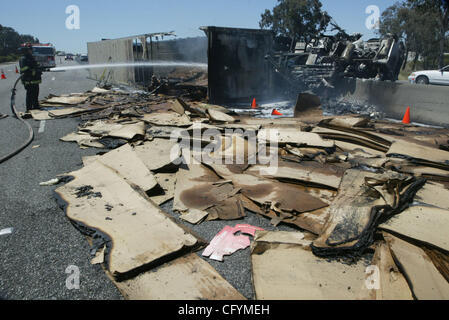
30 129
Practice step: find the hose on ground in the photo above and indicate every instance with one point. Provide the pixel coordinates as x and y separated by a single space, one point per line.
30 129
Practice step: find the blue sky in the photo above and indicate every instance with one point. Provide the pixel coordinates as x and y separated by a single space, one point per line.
45 19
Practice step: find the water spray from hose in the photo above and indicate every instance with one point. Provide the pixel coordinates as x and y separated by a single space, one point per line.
172 64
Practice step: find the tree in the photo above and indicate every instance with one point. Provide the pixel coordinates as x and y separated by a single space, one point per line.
418 28
394 19
10 41
442 9
297 19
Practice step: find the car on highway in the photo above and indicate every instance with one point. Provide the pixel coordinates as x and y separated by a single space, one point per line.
440 77
84 58
69 57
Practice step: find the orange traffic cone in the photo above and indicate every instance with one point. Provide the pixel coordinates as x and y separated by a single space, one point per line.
3 76
276 113
17 70
254 105
406 119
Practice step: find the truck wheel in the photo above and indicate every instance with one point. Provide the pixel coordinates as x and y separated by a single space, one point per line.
422 80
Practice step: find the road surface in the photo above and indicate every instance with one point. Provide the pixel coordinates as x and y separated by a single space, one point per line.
43 244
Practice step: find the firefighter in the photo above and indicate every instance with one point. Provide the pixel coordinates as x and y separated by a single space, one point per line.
31 77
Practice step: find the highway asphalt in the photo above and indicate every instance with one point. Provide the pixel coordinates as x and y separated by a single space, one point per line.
43 244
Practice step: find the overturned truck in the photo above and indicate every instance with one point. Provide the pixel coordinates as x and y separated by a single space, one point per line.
248 63
328 59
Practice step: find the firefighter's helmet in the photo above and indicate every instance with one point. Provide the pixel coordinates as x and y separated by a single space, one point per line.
26 48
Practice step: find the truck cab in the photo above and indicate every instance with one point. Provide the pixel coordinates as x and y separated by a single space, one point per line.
44 55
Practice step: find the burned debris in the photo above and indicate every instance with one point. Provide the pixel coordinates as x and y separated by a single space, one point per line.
321 64
356 193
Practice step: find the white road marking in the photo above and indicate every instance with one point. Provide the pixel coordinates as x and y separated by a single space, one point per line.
42 126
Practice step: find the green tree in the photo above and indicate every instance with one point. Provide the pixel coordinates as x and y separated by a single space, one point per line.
297 19
10 41
441 7
418 28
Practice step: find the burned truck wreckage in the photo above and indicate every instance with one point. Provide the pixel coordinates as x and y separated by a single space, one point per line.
252 63
327 59
245 64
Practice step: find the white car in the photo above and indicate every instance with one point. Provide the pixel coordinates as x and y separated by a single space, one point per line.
431 77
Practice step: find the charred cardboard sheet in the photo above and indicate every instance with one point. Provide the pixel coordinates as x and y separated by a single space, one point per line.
167 183
234 149
99 129
280 195
392 284
440 260
89 159
129 131
69 100
434 194
126 163
245 127
59 113
137 233
424 279
358 150
314 221
186 278
83 139
167 119
40 115
420 154
229 209
194 216
355 138
284 268
195 189
269 197
405 166
423 223
305 153
352 127
346 122
307 172
199 192
164 132
158 154
293 136
364 198
72 111
219 116
207 106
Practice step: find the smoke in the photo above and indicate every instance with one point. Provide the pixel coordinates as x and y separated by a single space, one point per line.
190 49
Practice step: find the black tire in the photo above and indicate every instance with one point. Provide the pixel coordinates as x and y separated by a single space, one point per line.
422 80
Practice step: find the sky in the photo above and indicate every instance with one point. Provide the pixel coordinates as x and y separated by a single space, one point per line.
46 19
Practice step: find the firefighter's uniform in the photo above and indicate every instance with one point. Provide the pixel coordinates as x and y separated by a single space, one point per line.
31 78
